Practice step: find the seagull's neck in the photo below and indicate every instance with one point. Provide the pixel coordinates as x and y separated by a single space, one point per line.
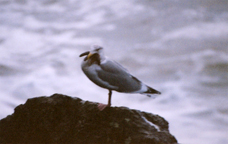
103 59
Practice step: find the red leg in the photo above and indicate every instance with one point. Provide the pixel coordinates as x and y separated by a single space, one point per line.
101 106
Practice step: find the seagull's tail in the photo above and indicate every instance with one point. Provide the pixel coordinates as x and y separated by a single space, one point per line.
150 91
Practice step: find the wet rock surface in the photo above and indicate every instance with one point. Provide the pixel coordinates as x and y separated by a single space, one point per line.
63 119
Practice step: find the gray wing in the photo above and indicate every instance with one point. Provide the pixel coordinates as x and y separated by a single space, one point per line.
114 74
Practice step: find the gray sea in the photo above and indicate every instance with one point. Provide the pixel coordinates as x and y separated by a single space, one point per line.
179 47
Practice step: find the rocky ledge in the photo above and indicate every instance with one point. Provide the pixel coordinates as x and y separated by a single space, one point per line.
63 119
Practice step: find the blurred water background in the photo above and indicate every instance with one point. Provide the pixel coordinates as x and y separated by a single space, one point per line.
178 47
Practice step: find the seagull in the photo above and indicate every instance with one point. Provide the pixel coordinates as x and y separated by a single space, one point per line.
111 75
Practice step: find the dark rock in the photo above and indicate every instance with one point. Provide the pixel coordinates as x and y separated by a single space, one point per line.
63 119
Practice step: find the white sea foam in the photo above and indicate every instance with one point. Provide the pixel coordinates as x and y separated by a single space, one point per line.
198 31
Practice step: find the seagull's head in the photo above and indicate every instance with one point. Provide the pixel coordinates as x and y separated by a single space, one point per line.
95 50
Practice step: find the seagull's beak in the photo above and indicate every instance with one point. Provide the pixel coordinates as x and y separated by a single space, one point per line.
85 53
89 55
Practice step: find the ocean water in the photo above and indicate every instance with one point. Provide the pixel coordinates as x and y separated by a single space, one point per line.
178 47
